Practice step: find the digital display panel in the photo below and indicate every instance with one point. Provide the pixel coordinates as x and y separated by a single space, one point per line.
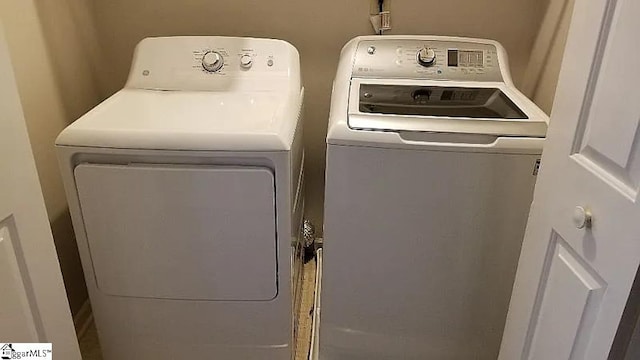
470 58
452 58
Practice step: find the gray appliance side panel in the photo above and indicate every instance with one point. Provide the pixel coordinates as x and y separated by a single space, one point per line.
180 232
420 251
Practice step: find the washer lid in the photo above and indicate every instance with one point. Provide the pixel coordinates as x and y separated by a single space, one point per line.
188 120
447 107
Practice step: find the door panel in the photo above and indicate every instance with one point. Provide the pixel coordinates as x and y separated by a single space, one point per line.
608 112
570 290
15 312
207 232
612 115
33 303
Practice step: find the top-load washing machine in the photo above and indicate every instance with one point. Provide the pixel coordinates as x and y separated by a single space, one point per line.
185 189
432 156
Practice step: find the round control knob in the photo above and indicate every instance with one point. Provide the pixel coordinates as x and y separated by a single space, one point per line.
426 57
582 217
212 61
246 61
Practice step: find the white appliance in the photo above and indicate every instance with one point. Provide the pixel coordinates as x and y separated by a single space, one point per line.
432 155
185 189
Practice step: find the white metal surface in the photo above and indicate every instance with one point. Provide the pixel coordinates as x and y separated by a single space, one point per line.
533 127
423 228
33 302
179 105
340 133
420 251
185 193
186 225
573 282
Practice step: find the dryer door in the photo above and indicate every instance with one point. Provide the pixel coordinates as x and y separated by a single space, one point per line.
180 232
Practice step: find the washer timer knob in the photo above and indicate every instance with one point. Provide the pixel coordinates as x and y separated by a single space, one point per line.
212 61
426 57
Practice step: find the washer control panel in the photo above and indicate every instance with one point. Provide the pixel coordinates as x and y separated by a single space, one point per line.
427 59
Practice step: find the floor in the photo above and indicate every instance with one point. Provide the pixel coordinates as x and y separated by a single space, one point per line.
90 346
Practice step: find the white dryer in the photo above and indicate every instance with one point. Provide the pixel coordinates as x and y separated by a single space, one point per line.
432 156
185 189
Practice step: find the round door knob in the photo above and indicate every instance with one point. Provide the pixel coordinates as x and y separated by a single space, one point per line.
581 217
212 61
246 61
426 57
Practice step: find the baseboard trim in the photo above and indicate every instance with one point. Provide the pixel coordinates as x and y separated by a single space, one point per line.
83 319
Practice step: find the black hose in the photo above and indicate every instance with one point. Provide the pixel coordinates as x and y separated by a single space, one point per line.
381 9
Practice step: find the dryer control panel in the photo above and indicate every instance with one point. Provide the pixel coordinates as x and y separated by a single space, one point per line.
427 59
212 63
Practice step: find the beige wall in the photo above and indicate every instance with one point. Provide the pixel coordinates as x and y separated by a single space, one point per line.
318 29
53 91
541 78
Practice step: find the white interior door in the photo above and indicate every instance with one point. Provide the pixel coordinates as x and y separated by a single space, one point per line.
33 303
573 280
